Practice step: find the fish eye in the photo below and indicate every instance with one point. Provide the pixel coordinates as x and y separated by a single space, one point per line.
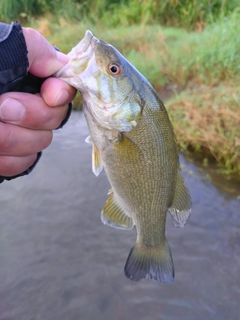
114 68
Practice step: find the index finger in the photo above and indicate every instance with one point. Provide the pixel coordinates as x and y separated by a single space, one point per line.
44 60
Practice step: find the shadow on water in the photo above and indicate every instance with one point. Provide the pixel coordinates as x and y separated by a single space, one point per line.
57 260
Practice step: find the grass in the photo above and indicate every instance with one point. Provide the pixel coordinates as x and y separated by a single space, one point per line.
201 69
190 14
167 55
206 122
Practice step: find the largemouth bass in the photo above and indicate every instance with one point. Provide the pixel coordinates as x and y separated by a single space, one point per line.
133 140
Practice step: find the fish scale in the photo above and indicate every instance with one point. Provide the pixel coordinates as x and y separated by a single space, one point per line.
133 140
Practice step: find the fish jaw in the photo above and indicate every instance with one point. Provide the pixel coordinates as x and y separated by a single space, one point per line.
80 50
82 63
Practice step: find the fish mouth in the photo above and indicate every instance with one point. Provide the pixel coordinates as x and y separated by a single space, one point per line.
84 48
82 57
82 63
86 41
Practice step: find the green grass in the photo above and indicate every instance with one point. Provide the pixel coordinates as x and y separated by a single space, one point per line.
168 55
201 68
190 14
206 122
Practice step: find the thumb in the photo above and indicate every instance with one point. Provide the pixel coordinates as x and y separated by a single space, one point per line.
43 59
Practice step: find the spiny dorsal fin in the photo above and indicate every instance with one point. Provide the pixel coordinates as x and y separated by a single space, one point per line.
181 206
150 263
114 216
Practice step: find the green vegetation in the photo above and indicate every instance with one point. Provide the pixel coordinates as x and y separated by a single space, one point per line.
198 62
206 122
191 14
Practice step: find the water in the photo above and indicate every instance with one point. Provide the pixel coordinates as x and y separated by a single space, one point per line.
58 261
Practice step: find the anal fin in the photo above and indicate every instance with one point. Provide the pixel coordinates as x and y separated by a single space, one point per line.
181 207
114 216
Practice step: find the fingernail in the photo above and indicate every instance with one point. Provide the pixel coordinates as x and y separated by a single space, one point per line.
62 98
11 110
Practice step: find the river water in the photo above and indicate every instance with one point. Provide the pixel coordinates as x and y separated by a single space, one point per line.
59 262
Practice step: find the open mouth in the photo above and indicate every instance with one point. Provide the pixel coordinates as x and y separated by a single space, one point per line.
82 65
84 48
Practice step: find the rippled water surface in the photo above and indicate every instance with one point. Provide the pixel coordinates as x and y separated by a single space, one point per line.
59 262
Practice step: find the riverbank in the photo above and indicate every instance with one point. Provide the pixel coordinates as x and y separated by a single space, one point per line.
199 69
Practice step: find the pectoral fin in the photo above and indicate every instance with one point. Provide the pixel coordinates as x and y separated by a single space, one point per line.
97 164
181 206
114 216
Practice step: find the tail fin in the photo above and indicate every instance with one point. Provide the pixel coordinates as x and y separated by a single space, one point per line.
150 263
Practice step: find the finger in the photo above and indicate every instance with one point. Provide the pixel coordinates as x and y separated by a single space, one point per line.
30 111
11 166
44 60
56 92
18 141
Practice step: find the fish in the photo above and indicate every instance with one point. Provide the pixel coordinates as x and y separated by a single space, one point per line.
133 140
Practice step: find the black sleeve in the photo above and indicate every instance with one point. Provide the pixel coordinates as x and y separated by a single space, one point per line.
14 75
13 56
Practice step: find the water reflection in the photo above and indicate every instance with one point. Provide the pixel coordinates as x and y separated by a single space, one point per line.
228 186
57 260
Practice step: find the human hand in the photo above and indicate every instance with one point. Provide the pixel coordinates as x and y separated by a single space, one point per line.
27 120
